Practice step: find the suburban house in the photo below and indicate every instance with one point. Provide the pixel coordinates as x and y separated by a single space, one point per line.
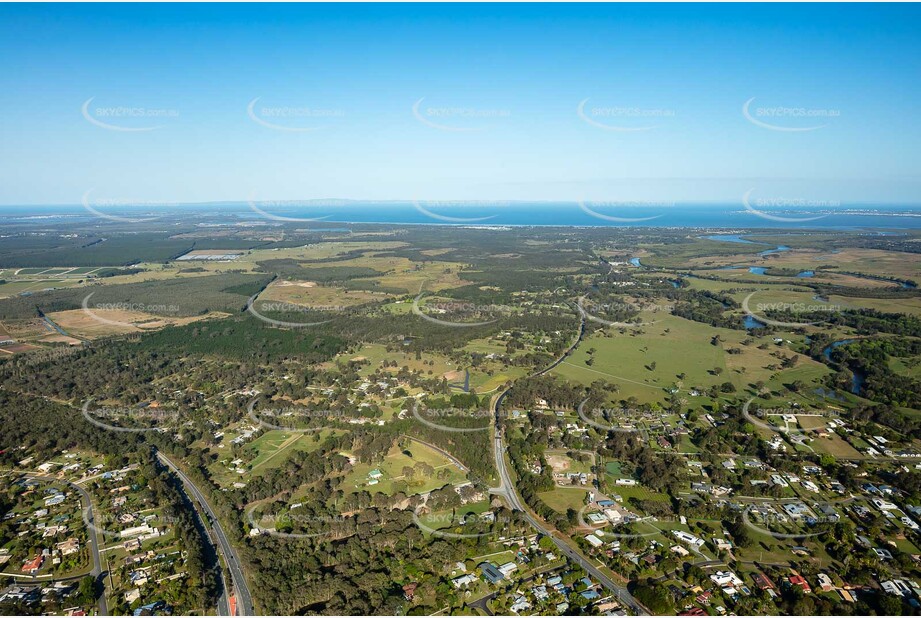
688 538
762 581
491 573
799 581
726 578
68 547
508 568
897 587
32 566
681 551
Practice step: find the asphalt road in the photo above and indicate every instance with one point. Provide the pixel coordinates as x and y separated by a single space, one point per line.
511 496
240 589
508 491
91 534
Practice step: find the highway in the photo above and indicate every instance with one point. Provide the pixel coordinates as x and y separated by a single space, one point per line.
91 534
239 587
508 491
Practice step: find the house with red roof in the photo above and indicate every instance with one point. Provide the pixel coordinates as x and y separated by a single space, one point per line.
704 597
32 566
799 581
762 581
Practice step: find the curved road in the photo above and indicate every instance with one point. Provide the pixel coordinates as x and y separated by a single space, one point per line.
508 491
91 534
243 597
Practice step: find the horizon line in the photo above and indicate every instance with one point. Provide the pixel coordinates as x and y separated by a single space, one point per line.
454 203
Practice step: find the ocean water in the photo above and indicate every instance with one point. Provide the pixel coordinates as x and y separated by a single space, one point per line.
324 214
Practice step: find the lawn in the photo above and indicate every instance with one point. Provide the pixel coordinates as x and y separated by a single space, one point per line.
836 445
645 363
635 491
562 498
14 288
325 298
448 518
626 359
264 453
431 364
274 445
393 478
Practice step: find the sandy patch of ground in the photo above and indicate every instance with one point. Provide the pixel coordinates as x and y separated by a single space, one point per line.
56 338
559 463
102 322
17 348
300 284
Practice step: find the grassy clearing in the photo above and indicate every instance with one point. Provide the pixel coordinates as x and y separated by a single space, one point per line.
312 295
910 306
272 444
636 491
393 474
267 451
440 519
835 445
15 288
906 366
410 277
625 359
485 379
645 362
375 354
562 463
562 498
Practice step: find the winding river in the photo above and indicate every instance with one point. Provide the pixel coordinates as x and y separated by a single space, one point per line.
859 378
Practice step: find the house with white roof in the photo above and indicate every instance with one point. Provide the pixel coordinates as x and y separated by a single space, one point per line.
686 537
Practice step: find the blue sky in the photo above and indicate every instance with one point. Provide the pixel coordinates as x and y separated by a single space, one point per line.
501 87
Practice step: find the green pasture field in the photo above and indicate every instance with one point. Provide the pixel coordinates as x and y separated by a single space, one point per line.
626 360
837 446
14 288
635 491
562 498
623 359
439 519
274 446
392 469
